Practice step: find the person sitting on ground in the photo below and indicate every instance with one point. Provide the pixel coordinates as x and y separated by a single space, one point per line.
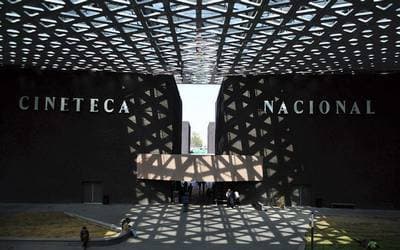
84 235
132 230
368 244
125 224
372 244
281 202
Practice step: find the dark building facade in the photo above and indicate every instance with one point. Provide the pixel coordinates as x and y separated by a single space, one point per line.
312 158
54 151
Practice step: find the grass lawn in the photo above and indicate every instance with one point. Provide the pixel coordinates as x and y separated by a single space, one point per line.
47 225
339 232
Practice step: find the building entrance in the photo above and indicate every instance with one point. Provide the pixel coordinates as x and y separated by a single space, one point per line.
92 192
199 192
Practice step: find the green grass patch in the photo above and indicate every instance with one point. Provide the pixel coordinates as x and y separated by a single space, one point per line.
340 232
48 225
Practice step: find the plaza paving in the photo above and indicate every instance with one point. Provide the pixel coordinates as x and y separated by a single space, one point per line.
165 226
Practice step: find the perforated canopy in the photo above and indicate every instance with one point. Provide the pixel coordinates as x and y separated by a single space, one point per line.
202 41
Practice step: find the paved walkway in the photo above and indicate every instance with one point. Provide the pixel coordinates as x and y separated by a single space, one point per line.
147 246
209 226
166 227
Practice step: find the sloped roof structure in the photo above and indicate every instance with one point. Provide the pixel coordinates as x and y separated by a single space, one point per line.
202 41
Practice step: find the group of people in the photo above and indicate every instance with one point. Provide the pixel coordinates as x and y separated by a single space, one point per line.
233 198
184 190
126 226
187 188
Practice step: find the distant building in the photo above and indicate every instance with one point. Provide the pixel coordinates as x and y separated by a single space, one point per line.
185 138
211 138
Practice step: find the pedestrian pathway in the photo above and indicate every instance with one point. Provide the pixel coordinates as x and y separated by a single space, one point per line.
163 226
219 225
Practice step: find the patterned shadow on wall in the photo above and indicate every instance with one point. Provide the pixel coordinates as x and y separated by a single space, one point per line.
154 126
244 128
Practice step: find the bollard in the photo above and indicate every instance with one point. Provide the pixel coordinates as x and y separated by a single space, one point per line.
312 230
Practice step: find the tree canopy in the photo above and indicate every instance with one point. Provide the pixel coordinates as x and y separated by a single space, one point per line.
195 140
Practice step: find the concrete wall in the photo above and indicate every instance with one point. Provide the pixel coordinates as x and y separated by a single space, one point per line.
46 156
325 158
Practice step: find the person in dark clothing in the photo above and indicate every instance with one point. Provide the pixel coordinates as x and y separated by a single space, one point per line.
190 189
185 187
213 192
84 237
185 201
180 190
199 185
209 195
231 199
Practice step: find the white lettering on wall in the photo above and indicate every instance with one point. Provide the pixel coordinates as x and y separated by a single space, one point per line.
21 103
339 107
106 106
124 108
64 104
94 105
78 102
74 104
49 102
296 107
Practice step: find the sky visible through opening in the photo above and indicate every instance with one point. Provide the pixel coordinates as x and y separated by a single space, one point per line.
198 106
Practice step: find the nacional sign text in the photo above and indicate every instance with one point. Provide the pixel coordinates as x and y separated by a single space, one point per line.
322 107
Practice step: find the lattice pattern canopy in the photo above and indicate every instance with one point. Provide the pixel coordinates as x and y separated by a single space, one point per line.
202 41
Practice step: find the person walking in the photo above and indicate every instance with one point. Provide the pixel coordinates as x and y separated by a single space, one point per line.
208 195
185 187
227 195
231 199
199 183
190 190
237 198
84 235
185 201
204 187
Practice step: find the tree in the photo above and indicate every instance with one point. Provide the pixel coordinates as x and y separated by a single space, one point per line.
195 140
